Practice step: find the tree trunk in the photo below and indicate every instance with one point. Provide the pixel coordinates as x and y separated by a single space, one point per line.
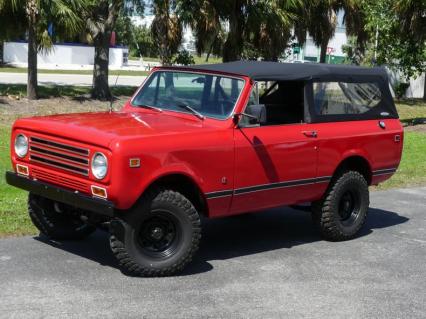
230 50
233 44
323 53
32 90
210 51
100 88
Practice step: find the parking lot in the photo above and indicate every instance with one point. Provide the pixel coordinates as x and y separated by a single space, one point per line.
266 265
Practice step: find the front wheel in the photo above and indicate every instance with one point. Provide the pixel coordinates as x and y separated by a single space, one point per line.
56 220
159 236
343 210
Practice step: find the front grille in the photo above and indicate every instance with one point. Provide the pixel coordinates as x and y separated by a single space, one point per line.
60 146
60 181
60 156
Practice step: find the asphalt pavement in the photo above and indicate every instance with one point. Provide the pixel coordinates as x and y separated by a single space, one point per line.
69 79
266 265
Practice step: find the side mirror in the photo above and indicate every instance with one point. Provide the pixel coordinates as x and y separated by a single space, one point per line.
255 114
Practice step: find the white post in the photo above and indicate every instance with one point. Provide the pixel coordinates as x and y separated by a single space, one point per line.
376 44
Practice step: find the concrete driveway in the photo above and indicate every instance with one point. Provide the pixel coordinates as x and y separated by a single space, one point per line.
69 79
266 265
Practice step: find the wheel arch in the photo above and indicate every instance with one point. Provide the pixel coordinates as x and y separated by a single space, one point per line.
183 184
356 163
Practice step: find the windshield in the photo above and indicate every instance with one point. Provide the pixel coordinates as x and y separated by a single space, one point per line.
210 95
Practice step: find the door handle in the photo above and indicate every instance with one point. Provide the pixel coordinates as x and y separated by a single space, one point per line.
310 133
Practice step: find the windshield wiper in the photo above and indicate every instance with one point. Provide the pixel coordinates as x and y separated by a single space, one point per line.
195 112
149 107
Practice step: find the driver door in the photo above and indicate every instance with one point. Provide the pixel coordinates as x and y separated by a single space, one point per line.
274 165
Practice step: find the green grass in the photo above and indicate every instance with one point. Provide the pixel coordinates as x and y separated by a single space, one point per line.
411 110
60 91
14 219
412 170
88 72
146 59
202 59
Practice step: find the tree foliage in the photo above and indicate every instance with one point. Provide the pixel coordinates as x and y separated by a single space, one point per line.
400 29
101 17
234 29
37 17
144 44
166 29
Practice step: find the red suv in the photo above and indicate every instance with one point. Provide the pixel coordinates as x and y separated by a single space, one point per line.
212 140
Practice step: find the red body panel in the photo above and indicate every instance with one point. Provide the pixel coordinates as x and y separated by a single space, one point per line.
273 154
237 170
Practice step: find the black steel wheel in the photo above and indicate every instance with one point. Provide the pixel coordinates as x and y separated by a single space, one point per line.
343 210
159 236
349 207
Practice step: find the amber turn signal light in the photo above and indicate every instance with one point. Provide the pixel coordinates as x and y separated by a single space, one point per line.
22 170
134 162
99 191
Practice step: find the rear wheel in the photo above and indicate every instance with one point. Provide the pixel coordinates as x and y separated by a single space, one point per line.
159 236
56 220
343 210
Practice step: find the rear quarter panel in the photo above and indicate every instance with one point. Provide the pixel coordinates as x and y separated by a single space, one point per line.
340 140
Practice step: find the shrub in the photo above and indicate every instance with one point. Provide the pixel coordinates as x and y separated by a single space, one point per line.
400 89
184 58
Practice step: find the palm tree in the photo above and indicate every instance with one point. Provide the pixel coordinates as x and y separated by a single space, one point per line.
355 20
13 23
100 21
101 17
269 24
412 16
319 18
166 29
39 15
265 24
203 17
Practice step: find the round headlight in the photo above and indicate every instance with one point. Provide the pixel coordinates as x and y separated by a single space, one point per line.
21 145
99 165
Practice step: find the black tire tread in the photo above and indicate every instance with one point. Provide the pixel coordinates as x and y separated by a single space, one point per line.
133 268
47 227
323 215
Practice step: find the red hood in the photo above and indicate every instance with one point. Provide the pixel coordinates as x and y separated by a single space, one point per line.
102 128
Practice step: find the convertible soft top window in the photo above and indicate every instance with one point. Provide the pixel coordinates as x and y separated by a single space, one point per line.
209 95
345 98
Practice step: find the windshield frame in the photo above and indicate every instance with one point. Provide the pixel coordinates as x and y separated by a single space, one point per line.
231 114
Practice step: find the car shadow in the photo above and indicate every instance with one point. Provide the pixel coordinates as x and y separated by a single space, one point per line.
235 236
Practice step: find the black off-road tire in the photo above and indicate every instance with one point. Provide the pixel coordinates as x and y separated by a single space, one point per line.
132 235
54 224
334 220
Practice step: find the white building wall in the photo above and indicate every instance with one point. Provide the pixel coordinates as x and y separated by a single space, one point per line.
339 39
416 88
67 56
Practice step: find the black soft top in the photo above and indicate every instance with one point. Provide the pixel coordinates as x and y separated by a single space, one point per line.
309 73
259 71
